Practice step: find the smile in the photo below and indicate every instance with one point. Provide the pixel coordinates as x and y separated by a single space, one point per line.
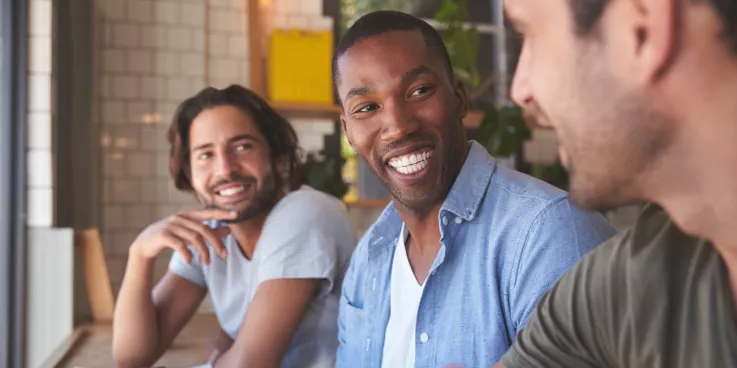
232 191
412 162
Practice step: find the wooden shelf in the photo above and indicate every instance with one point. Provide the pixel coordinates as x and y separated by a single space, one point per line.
306 110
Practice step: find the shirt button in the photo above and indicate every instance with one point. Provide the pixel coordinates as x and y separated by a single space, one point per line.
373 284
424 337
458 220
445 220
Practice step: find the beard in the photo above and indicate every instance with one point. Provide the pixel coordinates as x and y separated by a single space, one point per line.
262 200
612 136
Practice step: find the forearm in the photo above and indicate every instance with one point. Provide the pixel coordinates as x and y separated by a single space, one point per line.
135 325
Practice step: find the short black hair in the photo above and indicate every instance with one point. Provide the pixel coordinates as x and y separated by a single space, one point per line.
384 21
279 134
586 15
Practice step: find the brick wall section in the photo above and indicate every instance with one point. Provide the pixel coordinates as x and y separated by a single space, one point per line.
151 55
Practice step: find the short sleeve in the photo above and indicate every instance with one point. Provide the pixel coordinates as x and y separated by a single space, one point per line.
571 326
302 239
192 272
558 238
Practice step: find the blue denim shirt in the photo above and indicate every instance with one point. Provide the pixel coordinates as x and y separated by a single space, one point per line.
506 239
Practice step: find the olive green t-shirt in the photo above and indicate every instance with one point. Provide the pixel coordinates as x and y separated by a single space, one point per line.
651 296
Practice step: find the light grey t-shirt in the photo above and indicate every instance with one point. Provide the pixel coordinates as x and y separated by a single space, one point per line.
306 235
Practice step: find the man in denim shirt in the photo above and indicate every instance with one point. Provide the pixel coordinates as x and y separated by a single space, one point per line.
453 268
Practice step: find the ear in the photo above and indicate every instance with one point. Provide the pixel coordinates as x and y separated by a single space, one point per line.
345 132
656 36
461 97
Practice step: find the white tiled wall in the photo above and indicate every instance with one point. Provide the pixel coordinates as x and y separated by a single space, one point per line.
151 56
40 194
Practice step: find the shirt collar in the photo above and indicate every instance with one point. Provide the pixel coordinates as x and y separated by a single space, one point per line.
463 200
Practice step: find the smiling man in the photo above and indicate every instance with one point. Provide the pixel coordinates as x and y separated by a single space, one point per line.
642 94
272 257
455 265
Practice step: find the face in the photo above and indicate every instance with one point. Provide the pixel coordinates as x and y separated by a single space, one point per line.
403 114
582 87
231 164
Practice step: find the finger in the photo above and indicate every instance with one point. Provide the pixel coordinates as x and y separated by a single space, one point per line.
209 214
194 238
177 244
206 234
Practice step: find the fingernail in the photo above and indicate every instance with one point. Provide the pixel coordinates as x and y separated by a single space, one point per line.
233 213
224 254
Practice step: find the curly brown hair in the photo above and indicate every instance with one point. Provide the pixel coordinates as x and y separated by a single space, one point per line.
282 140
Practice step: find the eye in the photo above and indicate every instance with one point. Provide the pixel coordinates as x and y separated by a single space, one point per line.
367 108
243 147
204 156
421 91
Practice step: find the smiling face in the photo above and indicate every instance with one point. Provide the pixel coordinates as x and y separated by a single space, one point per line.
586 88
230 162
403 114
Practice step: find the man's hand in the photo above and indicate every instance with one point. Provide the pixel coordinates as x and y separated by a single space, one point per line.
177 231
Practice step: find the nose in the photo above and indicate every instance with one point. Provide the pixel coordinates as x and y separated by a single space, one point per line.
398 122
521 90
224 165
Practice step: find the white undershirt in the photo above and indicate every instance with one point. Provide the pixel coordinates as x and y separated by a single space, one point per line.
406 292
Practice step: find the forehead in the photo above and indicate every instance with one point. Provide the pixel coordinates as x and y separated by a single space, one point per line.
221 123
384 56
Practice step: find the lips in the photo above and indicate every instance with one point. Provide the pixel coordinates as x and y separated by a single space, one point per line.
232 191
412 162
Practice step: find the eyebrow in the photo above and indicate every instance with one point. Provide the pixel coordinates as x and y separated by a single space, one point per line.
241 137
360 91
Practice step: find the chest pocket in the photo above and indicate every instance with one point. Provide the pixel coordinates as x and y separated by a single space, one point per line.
353 340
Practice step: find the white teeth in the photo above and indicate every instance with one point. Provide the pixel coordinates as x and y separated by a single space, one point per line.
410 163
231 191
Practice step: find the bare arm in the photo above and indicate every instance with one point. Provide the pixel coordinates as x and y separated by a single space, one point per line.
146 321
272 318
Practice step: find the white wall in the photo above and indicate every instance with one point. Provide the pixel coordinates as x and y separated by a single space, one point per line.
50 292
50 251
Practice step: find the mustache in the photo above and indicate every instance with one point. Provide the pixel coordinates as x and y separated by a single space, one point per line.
410 139
234 178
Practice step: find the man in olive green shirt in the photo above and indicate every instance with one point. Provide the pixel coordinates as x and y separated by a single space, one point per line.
643 96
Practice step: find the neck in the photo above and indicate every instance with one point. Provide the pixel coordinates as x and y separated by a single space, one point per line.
697 185
248 232
423 228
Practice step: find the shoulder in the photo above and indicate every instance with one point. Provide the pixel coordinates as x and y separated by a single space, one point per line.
642 260
537 208
308 206
308 199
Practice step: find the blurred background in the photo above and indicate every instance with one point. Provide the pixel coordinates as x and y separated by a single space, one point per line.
87 89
